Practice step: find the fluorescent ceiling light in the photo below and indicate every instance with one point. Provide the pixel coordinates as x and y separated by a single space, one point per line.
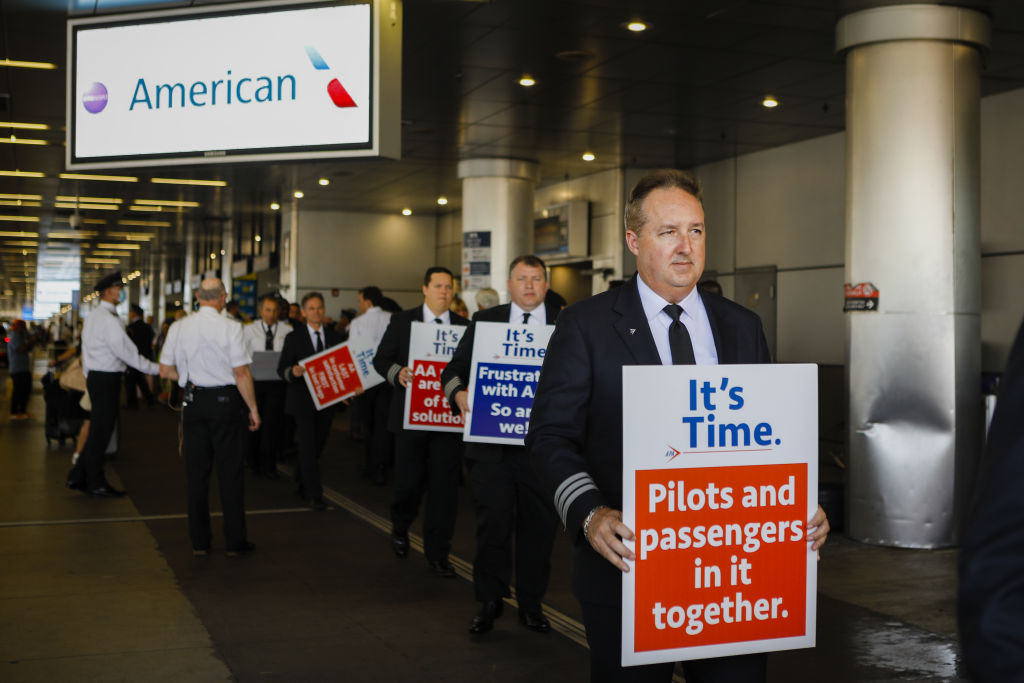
11 233
22 243
146 224
20 219
131 247
103 260
15 140
92 200
24 126
183 181
28 197
27 65
165 202
23 174
90 176
79 205
19 202
71 234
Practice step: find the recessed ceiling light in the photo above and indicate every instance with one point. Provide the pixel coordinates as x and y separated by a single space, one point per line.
769 102
636 26
274 206
258 238
221 252
441 201
324 181
406 212
526 81
298 194
588 156
213 256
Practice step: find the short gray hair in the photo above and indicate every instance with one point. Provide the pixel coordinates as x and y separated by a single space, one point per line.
487 298
210 289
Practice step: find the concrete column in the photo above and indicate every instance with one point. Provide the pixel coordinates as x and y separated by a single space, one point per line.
161 292
227 244
912 230
497 197
190 265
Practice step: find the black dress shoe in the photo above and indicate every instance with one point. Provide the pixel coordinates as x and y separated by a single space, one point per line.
442 568
75 485
400 544
535 621
107 491
317 505
485 616
272 474
246 547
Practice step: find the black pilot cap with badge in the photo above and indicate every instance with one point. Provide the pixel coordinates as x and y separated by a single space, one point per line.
112 280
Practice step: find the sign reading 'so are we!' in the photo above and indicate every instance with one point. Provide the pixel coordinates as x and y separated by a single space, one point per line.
258 81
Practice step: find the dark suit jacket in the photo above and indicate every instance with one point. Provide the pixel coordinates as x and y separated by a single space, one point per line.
298 345
455 376
575 436
393 355
142 336
991 595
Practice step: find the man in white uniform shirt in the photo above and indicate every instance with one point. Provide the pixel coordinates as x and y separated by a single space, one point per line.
267 334
372 405
106 352
206 354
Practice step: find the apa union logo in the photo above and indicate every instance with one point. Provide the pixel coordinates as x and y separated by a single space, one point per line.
95 98
335 89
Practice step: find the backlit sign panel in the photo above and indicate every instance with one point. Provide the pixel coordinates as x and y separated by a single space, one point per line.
257 81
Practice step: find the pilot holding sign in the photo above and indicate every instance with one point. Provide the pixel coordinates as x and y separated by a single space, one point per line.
509 500
576 430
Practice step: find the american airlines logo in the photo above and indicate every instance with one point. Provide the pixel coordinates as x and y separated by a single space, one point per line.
227 90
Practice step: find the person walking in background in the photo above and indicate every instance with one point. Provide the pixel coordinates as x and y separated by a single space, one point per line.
141 335
19 359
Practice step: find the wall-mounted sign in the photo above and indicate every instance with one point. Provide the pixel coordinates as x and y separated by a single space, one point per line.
256 81
476 259
860 297
260 263
240 267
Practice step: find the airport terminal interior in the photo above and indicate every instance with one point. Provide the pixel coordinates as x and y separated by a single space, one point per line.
861 165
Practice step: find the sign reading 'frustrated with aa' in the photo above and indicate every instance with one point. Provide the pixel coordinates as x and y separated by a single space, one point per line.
503 380
431 346
719 481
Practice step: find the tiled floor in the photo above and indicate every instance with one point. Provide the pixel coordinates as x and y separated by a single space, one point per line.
97 590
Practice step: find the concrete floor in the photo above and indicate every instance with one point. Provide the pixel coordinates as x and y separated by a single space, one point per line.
107 590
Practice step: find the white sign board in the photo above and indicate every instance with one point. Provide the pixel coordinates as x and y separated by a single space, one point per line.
503 380
720 478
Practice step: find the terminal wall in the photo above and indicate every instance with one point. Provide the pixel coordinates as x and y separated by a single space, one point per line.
347 251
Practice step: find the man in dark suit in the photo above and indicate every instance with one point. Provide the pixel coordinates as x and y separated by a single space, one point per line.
142 336
311 425
575 436
508 497
425 461
991 594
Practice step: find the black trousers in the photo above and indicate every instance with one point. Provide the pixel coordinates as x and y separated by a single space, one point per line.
312 428
427 462
509 503
134 379
21 389
105 395
264 444
213 425
378 442
604 636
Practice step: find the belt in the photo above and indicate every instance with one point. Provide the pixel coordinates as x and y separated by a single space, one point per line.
222 388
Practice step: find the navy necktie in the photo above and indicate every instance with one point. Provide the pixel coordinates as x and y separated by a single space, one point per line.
270 339
526 317
679 338
438 321
319 342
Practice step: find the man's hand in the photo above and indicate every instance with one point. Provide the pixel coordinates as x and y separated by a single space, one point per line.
605 535
405 376
817 529
462 401
298 370
254 420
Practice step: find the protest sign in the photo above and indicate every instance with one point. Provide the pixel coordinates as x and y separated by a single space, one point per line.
719 481
503 380
431 346
340 371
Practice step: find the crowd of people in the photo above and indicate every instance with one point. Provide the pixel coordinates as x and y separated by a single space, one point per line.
243 399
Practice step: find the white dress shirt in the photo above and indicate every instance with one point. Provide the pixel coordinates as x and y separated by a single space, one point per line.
429 317
256 335
106 347
370 325
694 316
205 347
538 316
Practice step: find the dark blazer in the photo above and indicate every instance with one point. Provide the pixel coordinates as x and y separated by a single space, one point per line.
575 436
298 345
142 336
455 376
393 355
991 595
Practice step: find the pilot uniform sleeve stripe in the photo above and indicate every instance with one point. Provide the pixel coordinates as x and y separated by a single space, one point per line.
454 385
393 374
571 489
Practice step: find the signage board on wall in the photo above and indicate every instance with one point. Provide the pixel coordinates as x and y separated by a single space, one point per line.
258 81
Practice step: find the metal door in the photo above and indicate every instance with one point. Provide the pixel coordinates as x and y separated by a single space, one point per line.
756 289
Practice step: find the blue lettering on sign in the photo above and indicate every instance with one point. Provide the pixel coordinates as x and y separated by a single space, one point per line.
220 91
502 399
705 431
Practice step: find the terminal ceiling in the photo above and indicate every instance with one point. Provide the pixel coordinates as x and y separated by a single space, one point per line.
684 92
